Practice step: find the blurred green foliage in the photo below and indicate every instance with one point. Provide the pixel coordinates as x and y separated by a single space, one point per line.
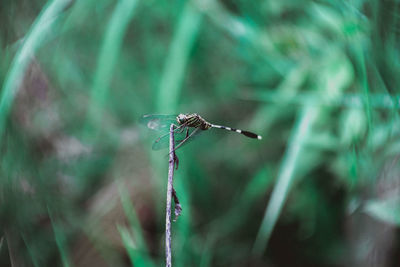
80 186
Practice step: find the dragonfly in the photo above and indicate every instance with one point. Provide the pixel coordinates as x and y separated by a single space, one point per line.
187 126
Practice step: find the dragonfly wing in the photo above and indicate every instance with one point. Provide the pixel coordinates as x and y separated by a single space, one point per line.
161 143
179 137
158 122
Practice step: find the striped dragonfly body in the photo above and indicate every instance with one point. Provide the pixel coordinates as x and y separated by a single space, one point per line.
187 127
193 120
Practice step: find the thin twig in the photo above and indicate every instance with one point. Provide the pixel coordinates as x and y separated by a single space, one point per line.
170 189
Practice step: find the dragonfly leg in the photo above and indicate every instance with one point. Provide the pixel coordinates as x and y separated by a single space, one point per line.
186 137
181 130
184 140
187 133
176 128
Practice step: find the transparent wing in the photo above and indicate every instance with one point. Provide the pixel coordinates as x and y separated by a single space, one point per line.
179 137
158 122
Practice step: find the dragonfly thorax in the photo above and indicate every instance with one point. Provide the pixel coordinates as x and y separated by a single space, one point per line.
193 120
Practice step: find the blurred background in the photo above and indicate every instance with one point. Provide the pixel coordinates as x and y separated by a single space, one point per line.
81 186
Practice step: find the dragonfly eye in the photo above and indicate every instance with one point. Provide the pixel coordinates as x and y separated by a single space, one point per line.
181 118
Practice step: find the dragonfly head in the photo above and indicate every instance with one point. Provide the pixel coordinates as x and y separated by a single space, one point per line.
181 118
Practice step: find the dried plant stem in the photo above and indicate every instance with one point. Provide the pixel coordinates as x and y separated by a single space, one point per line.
170 189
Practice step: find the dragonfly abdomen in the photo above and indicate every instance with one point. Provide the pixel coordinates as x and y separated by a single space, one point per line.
246 133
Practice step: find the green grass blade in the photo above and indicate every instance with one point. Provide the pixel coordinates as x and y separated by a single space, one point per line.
286 176
136 257
36 37
110 50
177 58
31 253
138 251
60 239
376 100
